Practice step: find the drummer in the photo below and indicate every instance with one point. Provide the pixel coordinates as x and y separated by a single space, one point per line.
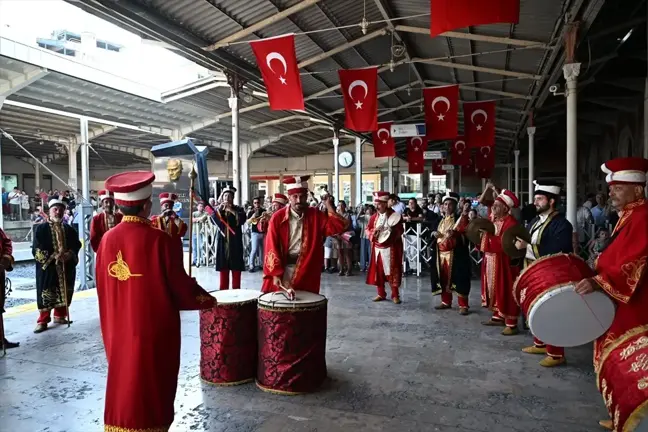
621 267
385 232
550 234
294 240
498 271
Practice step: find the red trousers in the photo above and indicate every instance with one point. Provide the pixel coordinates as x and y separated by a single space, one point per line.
446 299
44 316
394 290
382 279
552 351
224 279
508 321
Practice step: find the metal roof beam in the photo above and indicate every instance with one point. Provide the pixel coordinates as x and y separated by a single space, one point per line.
136 151
187 129
16 84
279 121
259 144
474 37
482 90
261 24
629 108
477 68
342 47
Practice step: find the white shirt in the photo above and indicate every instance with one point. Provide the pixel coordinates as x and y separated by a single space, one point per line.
296 223
14 198
399 207
535 237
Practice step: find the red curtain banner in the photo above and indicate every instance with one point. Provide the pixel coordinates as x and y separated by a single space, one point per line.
446 15
460 152
441 112
360 94
415 148
383 143
437 166
479 123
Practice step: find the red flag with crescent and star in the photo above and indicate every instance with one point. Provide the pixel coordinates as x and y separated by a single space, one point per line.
277 62
441 112
485 159
460 152
437 167
415 148
446 15
359 89
383 143
479 123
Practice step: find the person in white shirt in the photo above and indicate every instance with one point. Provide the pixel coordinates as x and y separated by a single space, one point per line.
395 204
14 203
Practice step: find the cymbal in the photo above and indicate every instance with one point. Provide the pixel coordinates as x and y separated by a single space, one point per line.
510 236
473 232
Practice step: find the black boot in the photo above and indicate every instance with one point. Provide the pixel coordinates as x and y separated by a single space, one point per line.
9 345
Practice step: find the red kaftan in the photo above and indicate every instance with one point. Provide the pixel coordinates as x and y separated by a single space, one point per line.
498 275
316 227
375 274
99 227
621 273
141 289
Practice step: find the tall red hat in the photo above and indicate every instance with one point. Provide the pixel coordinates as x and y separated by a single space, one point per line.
168 197
628 170
280 198
509 199
105 194
296 185
131 188
381 196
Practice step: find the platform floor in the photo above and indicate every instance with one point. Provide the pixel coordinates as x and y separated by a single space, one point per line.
391 368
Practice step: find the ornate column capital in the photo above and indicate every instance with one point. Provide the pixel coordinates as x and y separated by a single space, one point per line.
571 71
531 130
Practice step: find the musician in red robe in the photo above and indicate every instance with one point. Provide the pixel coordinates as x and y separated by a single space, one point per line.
294 240
498 272
6 264
105 220
386 264
169 221
141 290
621 273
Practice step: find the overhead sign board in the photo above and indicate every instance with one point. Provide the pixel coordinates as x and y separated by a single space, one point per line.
447 167
407 130
427 155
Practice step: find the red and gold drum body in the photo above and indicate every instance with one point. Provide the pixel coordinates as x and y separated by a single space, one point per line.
556 314
228 339
292 342
622 378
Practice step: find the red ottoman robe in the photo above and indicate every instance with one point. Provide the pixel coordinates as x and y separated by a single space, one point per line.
99 227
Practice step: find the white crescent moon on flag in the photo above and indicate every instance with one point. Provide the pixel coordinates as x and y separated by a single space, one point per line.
357 83
381 130
463 145
441 99
420 140
477 112
276 56
481 150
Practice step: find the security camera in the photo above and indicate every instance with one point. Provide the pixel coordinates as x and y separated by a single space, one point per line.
553 89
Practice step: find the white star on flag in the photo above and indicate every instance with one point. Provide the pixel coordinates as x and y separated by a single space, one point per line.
416 149
479 127
283 80
384 141
358 105
441 117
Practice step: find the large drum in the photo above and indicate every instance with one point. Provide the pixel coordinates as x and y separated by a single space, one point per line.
623 382
556 314
292 342
228 340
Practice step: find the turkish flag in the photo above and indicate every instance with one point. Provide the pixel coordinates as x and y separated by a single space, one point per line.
469 170
277 62
437 166
441 112
479 123
485 158
446 15
383 143
360 93
415 148
460 152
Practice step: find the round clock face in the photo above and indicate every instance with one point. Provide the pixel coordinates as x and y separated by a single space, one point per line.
345 159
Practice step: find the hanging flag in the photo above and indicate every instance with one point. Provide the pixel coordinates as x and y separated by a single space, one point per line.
479 123
470 170
441 112
485 160
360 94
383 143
415 148
459 152
446 15
437 167
277 62
485 173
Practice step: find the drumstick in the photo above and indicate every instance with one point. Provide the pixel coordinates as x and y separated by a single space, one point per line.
288 291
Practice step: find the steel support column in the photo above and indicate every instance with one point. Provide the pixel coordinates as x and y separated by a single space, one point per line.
72 149
390 175
460 185
508 177
245 173
531 132
236 84
359 198
571 72
37 177
336 153
516 172
451 180
86 257
2 99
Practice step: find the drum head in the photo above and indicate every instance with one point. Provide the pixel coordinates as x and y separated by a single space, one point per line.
236 296
302 298
564 318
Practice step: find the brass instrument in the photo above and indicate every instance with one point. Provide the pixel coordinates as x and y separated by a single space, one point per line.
265 215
